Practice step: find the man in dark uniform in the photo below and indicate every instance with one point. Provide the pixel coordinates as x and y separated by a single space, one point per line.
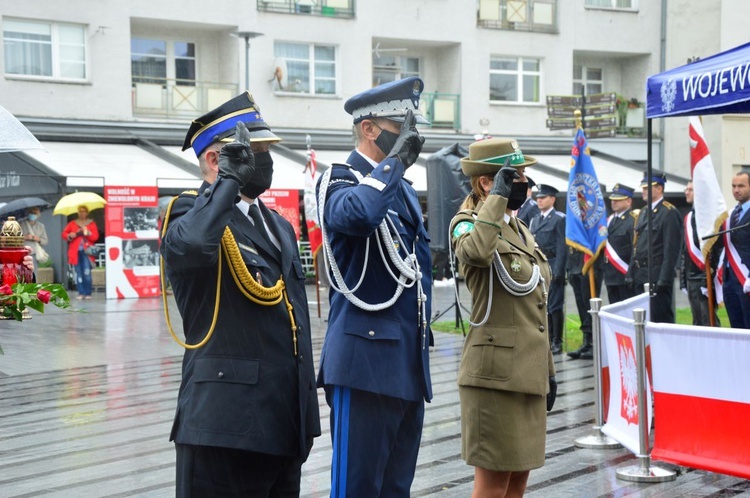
548 228
619 248
529 208
374 365
665 249
693 267
736 285
247 409
582 292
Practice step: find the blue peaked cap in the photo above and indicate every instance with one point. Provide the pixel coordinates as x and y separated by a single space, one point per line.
656 179
390 100
546 190
620 192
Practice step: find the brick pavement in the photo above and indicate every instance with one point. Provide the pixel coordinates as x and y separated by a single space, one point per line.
87 399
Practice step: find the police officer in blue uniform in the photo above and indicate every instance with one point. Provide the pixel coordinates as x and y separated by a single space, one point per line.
665 248
247 409
548 228
529 208
619 248
374 365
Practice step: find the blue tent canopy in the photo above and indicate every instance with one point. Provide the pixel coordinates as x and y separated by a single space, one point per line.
719 84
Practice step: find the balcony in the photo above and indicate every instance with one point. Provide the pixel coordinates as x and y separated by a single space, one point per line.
164 98
518 15
443 110
327 8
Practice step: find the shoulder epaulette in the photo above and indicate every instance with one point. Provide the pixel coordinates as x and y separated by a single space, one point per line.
668 205
343 165
560 214
193 193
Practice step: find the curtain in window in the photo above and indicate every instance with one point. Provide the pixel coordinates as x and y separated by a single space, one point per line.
28 48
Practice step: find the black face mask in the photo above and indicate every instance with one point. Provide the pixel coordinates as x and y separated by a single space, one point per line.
386 140
262 177
517 195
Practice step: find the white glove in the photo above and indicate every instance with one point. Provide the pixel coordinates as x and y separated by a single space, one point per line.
704 291
746 286
684 291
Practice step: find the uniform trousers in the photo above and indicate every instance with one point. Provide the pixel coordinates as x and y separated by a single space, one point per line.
699 304
662 304
617 293
212 472
582 292
375 441
736 301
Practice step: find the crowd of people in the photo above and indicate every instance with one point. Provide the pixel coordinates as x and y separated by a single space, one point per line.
247 409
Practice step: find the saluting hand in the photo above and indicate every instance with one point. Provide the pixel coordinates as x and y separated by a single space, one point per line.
503 182
236 159
409 142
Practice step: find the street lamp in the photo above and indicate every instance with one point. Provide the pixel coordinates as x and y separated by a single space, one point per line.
247 35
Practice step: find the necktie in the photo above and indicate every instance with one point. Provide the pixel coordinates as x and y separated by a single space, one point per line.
257 218
736 215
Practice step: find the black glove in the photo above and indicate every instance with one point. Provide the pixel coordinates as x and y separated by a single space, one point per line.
236 160
552 393
409 143
504 180
558 280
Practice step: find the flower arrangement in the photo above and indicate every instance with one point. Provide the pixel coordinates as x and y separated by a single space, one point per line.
14 299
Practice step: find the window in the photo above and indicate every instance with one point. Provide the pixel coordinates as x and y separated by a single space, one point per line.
328 8
386 68
613 4
51 50
589 78
155 61
310 68
518 15
514 79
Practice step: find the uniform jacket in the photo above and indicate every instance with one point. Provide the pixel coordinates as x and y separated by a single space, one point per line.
527 211
740 240
688 269
666 246
383 352
510 352
245 388
87 241
621 230
549 233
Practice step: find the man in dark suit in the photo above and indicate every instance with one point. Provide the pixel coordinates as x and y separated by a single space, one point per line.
665 249
737 255
247 409
529 208
548 228
619 248
693 267
374 365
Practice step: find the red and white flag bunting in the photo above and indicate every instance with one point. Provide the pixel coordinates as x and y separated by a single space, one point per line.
708 201
623 419
702 396
311 204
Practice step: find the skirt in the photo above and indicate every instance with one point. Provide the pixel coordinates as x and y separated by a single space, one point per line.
502 431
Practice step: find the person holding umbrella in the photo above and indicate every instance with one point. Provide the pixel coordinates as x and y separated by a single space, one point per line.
35 234
81 233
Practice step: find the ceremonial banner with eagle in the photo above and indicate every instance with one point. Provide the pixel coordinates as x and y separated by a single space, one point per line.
586 221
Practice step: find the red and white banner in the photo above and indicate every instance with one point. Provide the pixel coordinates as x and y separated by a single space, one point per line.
708 200
623 420
623 309
314 234
132 241
702 396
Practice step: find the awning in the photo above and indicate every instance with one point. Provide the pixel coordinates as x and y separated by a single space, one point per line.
87 165
287 173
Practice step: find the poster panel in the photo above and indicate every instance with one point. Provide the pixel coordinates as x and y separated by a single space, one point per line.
286 203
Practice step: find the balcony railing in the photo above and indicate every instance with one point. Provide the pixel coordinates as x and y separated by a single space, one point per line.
328 8
443 110
518 15
169 98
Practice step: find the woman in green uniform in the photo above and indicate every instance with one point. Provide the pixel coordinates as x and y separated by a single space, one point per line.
506 377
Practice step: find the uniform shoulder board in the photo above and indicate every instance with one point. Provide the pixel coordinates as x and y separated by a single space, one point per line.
193 193
341 165
560 214
668 205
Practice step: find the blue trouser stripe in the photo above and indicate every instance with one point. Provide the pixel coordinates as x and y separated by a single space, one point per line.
341 404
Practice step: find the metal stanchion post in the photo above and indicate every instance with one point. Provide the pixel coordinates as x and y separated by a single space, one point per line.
644 471
597 440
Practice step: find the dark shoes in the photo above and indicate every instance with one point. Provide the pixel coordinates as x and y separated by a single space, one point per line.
585 352
556 348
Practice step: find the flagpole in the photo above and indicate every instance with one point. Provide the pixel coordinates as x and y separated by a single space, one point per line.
308 142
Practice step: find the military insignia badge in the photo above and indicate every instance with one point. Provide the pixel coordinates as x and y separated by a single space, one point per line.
515 266
462 228
514 144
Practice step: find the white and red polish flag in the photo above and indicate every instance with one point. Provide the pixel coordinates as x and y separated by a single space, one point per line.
311 204
623 419
708 201
702 397
623 309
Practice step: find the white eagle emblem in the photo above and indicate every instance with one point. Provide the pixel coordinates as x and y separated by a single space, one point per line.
668 94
